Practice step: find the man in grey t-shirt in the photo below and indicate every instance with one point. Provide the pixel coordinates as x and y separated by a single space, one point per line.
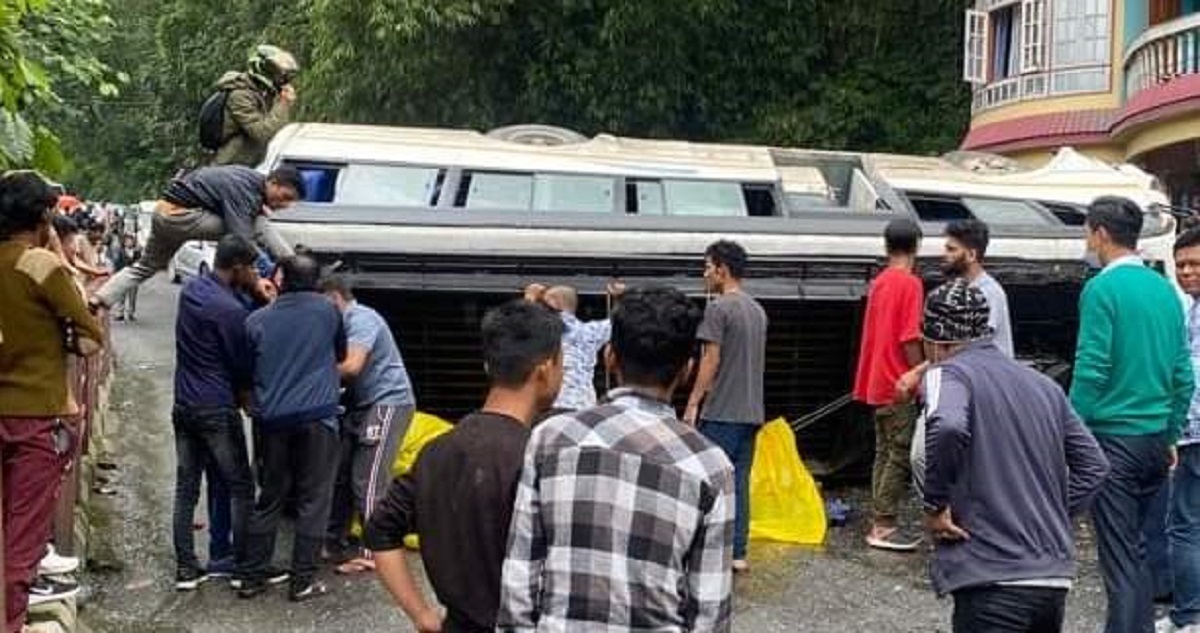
380 408
966 245
730 380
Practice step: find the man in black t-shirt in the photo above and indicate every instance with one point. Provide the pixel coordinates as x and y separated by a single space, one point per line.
459 495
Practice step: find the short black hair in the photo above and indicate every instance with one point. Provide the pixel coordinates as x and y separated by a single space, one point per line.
518 336
970 233
300 273
1188 239
1120 217
65 226
653 335
289 176
729 254
339 284
234 250
25 198
902 236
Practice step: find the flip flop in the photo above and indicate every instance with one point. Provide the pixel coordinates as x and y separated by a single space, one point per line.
355 566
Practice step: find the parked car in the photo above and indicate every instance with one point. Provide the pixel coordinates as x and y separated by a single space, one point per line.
194 259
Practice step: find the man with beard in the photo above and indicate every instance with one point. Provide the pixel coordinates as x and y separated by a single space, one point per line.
966 245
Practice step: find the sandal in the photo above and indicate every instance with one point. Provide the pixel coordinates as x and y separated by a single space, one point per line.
356 566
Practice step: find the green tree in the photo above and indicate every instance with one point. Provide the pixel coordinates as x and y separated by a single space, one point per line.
870 75
47 49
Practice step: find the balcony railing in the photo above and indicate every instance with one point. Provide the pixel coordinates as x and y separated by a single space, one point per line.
1162 53
1058 82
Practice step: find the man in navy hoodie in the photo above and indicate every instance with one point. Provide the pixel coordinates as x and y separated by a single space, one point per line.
1008 464
295 345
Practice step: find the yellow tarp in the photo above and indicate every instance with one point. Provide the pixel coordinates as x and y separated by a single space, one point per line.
785 504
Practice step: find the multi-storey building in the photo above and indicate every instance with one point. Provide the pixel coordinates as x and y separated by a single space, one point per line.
1116 79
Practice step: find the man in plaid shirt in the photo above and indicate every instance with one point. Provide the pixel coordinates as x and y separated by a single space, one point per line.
624 514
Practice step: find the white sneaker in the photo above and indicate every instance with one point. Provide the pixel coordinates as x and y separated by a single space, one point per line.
54 564
1165 625
45 590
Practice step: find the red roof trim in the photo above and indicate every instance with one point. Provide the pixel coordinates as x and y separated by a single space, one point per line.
1088 127
1040 130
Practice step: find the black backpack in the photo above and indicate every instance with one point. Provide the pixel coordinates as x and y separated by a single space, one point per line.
212 120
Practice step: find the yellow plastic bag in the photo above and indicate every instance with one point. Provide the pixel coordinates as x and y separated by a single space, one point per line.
785 504
423 428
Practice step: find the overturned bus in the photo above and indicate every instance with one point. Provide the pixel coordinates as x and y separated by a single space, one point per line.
434 226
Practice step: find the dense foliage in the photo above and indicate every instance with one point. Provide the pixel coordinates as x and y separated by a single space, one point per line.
48 49
853 74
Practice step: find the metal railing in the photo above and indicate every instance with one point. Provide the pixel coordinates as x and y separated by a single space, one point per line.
1162 53
1039 85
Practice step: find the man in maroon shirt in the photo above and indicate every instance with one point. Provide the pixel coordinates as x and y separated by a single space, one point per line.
891 345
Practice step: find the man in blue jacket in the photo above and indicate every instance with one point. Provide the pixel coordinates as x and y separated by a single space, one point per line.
1008 464
211 376
295 345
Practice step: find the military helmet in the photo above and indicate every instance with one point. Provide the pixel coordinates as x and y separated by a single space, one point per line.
273 65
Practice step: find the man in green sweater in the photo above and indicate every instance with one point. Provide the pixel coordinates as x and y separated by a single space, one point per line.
1132 387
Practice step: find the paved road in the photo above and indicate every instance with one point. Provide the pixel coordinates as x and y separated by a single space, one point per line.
843 587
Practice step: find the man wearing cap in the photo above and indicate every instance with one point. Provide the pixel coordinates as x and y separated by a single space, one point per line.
1009 464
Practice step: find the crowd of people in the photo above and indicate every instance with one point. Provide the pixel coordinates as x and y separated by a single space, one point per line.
553 507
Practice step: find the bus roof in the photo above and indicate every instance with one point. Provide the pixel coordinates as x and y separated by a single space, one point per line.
604 154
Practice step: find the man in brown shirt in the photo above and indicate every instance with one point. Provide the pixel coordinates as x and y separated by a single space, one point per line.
459 495
43 318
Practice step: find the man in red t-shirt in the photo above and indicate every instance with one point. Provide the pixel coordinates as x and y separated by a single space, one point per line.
891 345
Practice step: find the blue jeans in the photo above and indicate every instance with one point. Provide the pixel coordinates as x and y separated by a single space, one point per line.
204 437
220 515
1139 470
1185 536
737 440
996 609
1158 550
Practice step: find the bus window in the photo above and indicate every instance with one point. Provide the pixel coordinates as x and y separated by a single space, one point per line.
931 208
696 197
586 194
320 181
495 190
644 197
760 200
389 185
1007 212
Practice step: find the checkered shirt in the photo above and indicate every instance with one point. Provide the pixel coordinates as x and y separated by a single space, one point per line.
623 522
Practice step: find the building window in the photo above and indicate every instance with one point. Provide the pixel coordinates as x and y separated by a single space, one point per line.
1006 42
975 47
1081 33
1033 29
1164 11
